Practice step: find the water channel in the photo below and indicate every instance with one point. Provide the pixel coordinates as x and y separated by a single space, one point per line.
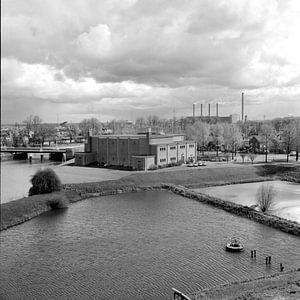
16 175
135 246
286 197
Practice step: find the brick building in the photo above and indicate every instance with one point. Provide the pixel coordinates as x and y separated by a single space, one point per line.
137 151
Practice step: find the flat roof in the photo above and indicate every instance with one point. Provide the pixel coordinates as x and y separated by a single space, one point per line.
142 156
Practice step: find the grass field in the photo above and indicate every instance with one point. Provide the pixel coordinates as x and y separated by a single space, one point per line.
199 177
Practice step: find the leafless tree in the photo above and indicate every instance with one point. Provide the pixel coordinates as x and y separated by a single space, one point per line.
267 131
265 197
252 157
289 137
243 156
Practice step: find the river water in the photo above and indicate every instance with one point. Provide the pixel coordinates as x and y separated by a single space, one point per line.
135 246
16 175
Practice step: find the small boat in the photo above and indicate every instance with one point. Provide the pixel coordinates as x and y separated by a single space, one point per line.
234 245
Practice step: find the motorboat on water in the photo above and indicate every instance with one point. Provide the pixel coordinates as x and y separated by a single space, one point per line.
235 245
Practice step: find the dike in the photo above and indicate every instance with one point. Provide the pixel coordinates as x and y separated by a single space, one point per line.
240 210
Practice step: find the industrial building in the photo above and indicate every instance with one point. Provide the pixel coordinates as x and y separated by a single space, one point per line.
138 151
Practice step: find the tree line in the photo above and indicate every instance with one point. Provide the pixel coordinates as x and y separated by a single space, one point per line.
276 136
281 135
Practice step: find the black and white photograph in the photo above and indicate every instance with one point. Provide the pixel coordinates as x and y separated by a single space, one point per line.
150 149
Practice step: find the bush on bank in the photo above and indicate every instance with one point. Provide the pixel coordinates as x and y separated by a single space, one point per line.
58 201
19 211
44 182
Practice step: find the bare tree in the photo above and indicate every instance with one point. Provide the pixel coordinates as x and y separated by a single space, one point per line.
265 197
267 132
200 133
88 125
297 137
288 136
243 156
232 137
252 157
217 131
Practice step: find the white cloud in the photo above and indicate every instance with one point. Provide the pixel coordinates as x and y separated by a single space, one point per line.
135 55
96 43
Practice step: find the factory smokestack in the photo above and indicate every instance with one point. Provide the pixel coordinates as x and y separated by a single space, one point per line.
201 109
194 108
217 109
243 104
209 109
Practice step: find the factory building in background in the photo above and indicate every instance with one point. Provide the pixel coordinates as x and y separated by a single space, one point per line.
138 151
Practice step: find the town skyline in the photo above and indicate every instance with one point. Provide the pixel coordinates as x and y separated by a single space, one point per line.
112 60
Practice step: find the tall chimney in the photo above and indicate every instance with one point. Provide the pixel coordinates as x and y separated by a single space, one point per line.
217 109
201 109
194 108
243 106
209 109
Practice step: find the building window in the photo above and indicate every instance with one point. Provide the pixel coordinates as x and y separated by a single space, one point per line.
173 158
191 146
162 160
173 148
162 148
182 147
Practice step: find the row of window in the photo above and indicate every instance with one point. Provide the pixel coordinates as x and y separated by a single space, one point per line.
174 147
161 148
113 142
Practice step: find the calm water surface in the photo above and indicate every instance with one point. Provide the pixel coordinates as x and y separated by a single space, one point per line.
16 175
286 198
135 246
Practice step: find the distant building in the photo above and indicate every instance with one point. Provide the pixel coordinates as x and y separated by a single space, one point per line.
138 151
232 119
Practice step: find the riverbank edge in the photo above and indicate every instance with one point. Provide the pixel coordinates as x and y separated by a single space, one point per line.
38 204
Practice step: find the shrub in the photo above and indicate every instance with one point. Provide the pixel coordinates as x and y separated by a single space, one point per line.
265 197
44 182
152 167
58 201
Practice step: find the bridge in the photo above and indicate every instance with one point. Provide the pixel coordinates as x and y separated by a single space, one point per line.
68 151
31 150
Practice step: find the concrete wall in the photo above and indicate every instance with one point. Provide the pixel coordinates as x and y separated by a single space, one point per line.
182 151
166 139
172 153
142 163
84 159
191 150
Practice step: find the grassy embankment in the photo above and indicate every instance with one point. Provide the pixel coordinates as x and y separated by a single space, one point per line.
190 178
19 211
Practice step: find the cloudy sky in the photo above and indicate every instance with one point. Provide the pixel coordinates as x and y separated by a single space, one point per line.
121 59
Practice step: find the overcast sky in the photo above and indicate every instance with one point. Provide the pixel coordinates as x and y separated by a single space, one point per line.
76 59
